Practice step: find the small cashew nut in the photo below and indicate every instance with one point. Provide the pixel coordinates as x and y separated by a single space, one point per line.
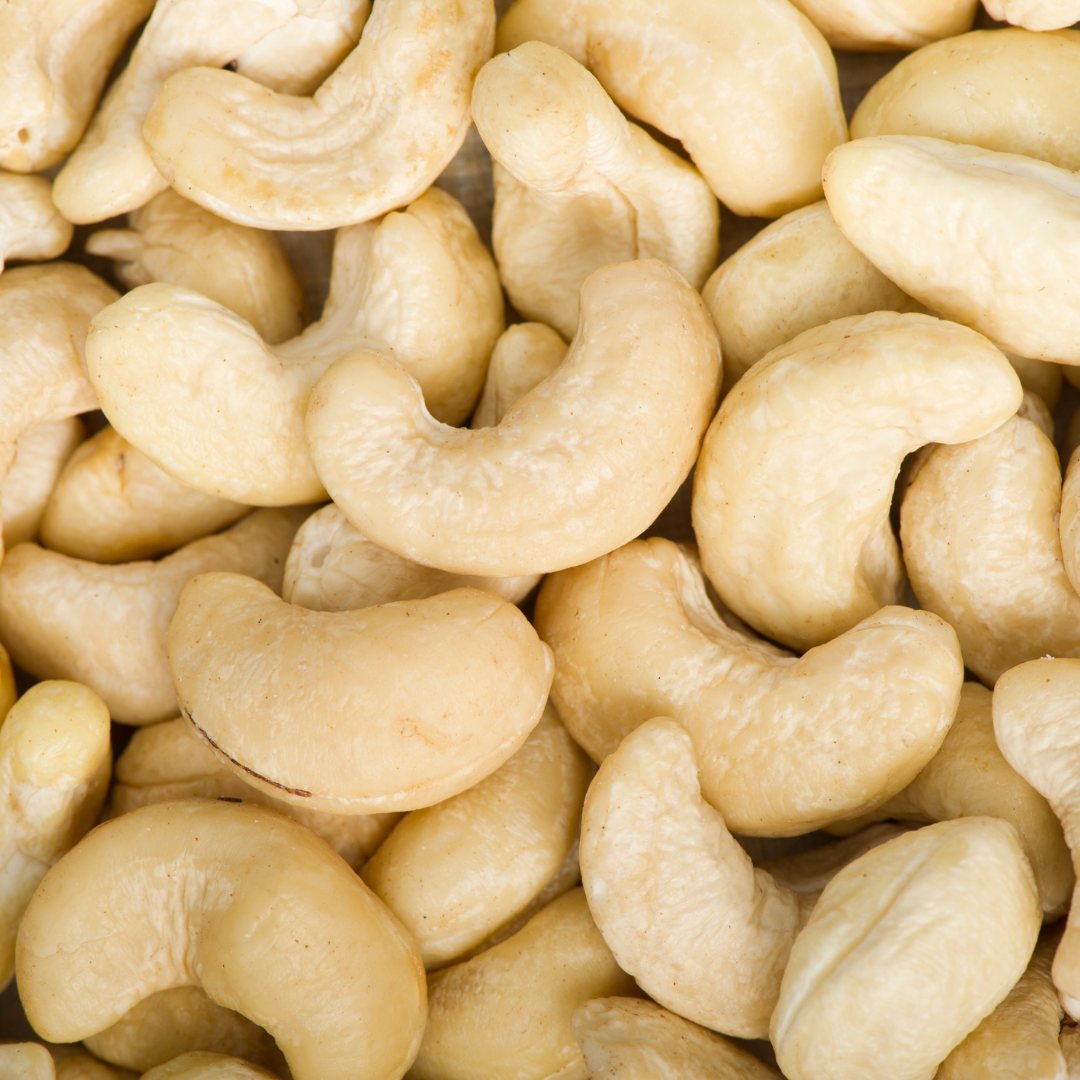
892 24
200 1065
30 225
523 357
32 1061
1035 14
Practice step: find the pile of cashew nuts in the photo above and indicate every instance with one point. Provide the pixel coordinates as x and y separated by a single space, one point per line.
569 657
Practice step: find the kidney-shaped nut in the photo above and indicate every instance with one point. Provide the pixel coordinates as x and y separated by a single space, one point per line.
1035 14
229 898
577 187
906 951
1006 266
202 1065
784 745
417 285
888 24
750 87
581 464
374 136
105 626
523 357
796 474
30 225
388 708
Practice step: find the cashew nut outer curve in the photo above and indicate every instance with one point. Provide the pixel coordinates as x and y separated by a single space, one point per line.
200 1065
30 225
892 24
1035 14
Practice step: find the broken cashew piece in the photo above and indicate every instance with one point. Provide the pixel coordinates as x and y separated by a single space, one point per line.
523 357
200 1065
893 24
634 393
1035 14
577 187
30 225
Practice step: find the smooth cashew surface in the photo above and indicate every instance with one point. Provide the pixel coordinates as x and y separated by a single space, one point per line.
577 187
105 626
418 286
888 24
750 87
1035 14
245 903
523 357
388 708
796 474
1004 266
505 1014
581 464
457 871
201 1065
907 950
30 225
784 745
374 136
112 171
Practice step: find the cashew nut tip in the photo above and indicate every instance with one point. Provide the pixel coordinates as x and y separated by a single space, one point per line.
893 24
201 1065
1035 14
30 225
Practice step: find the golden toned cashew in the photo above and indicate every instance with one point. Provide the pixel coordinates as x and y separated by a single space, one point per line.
26 1061
40 454
1070 1048
176 241
8 692
245 903
206 1066
1005 266
56 55
581 464
523 357
168 761
388 708
55 760
374 136
888 24
796 474
750 87
455 872
418 285
907 950
106 625
506 1013
784 745
112 171
30 225
1035 14
577 187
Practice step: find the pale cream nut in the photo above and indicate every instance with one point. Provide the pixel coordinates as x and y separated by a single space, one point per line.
523 357
30 225
888 24
1035 14
206 1066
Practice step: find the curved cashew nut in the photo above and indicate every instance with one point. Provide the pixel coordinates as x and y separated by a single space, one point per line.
784 745
523 357
892 24
577 187
30 225
796 474
222 896
418 285
1035 14
1017 290
581 464
200 1065
40 454
105 626
381 128
750 88
112 171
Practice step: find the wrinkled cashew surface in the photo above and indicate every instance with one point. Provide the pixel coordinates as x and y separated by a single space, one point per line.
888 24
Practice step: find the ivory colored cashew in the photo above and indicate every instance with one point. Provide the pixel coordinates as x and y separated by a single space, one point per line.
506 1013
56 55
523 357
638 1040
1005 266
55 760
176 241
112 171
1006 90
106 625
455 872
30 225
888 24
750 88
26 1061
581 464
796 474
417 285
245 903
388 708
577 187
373 137
1035 14
907 950
204 1066
168 761
784 745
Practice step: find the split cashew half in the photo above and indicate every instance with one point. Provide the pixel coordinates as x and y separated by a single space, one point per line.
888 24
1035 14
577 187
30 225
581 464
245 903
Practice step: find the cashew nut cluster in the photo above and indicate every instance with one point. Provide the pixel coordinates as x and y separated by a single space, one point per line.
30 225
888 24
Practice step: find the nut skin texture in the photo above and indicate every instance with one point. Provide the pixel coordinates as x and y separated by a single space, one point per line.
30 225
784 745
581 464
874 25
242 901
578 188
1035 14
382 127
388 708
995 242
749 88
796 474
523 357
906 951
505 1014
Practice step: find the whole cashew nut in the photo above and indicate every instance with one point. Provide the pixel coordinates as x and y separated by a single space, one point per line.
30 225
1035 14
892 24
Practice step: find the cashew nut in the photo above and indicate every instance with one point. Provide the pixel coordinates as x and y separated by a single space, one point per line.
796 474
581 464
8 692
205 1066
418 285
30 225
40 453
32 1061
577 187
1070 522
523 357
1035 14
888 25
750 88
